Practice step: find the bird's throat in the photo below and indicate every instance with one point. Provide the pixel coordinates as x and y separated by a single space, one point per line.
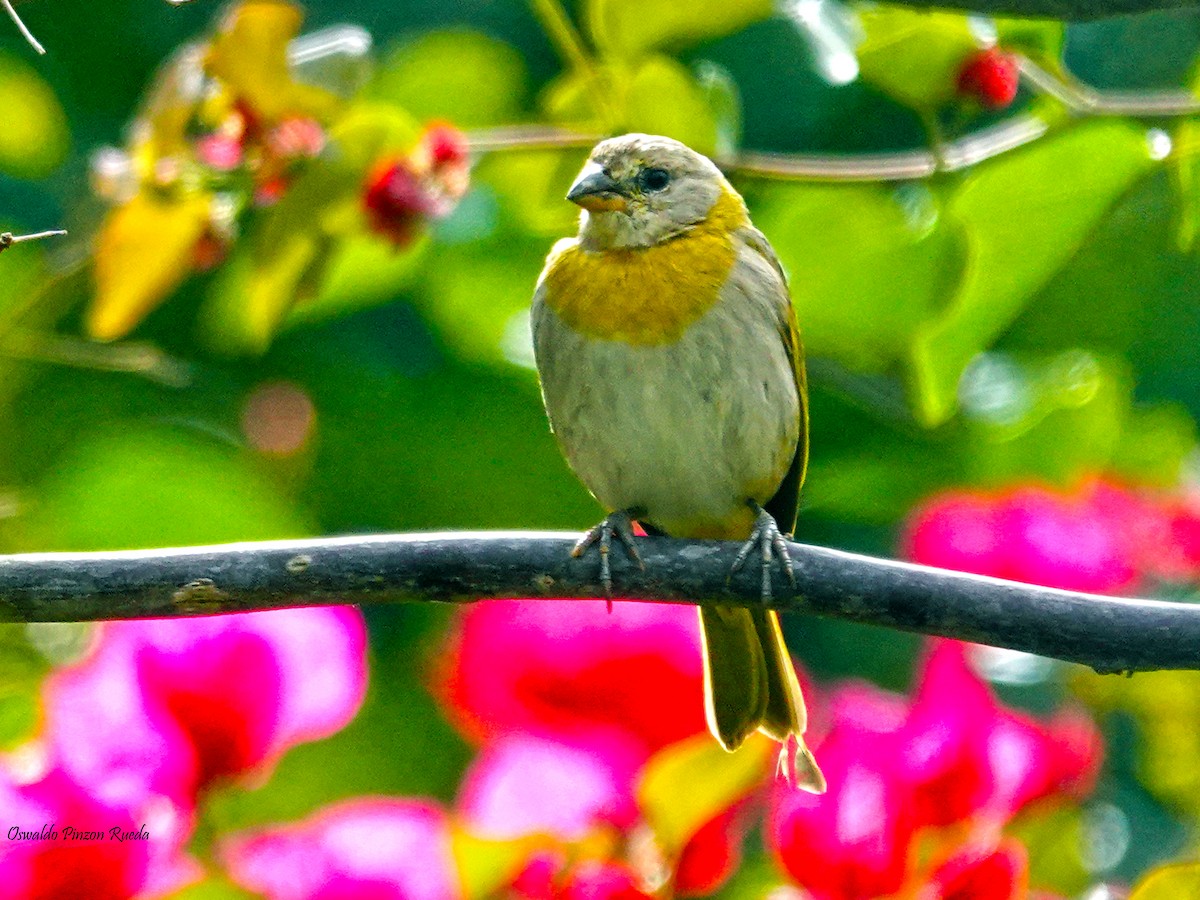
646 296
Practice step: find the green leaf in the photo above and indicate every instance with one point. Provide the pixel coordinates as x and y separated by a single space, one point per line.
155 487
684 786
1049 418
655 95
1039 39
629 28
22 668
664 97
213 887
868 265
1054 835
1184 169
724 103
531 187
914 56
466 77
363 270
486 867
35 137
1170 882
502 271
1024 214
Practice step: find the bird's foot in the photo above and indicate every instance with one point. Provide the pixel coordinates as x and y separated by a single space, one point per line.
617 525
770 544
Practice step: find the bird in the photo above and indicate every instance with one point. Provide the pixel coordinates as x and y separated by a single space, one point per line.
673 377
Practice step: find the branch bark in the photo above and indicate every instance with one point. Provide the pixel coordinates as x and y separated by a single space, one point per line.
1067 10
1106 633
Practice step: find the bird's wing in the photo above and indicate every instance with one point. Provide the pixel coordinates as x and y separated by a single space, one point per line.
784 504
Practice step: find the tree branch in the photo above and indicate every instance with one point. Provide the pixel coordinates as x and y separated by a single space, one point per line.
1108 634
1067 10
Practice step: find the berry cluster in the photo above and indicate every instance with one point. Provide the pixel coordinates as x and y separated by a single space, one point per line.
400 193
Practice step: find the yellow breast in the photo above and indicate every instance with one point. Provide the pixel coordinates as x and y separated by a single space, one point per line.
645 296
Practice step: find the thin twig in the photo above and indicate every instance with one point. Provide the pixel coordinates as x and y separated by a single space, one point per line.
1106 633
910 165
12 14
7 238
132 358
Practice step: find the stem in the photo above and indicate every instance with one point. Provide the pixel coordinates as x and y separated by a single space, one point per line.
12 14
569 44
7 238
131 358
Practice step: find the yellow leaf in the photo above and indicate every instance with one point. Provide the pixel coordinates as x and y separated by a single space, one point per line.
1169 883
35 137
162 126
486 866
143 252
684 786
249 54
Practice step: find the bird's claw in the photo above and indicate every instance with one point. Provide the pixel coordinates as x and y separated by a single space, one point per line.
772 544
617 524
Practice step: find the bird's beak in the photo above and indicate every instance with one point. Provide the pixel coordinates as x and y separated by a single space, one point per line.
596 191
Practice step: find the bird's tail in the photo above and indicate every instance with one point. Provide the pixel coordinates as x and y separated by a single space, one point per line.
749 684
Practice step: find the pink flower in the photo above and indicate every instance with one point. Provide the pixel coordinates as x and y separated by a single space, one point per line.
966 755
982 873
1066 542
370 849
43 856
1101 538
220 151
596 880
521 785
169 706
953 756
569 669
852 842
712 855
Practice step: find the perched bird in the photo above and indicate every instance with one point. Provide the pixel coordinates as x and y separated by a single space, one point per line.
673 376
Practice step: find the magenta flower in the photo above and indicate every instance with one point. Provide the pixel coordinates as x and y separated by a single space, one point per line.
569 702
596 880
966 755
521 785
852 842
369 849
983 872
713 854
952 757
169 706
1103 538
51 848
570 670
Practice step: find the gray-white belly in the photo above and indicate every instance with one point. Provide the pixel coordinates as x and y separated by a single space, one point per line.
687 431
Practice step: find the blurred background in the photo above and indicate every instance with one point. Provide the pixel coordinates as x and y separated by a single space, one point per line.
256 331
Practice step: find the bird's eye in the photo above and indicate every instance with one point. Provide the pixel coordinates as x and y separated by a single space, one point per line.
655 179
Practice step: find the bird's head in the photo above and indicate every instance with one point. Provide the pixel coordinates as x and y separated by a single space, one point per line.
639 190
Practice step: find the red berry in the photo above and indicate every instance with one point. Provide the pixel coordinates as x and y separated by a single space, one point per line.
395 201
447 146
989 76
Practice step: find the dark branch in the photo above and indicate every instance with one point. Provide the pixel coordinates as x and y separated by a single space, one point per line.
1108 634
1067 10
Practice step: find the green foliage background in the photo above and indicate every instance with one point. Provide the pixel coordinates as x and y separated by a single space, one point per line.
1069 262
